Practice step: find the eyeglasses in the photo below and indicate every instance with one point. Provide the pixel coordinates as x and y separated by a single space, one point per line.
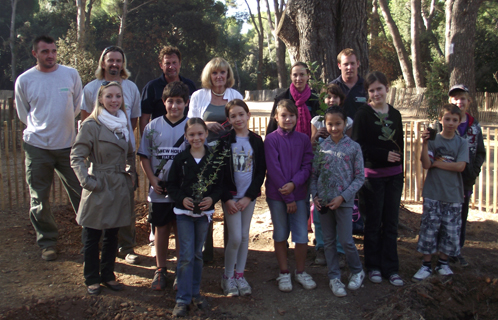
112 49
106 83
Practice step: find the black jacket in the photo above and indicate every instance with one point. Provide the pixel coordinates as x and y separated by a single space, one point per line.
183 174
313 102
367 133
258 172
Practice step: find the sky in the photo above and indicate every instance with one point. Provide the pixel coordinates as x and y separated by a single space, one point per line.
242 7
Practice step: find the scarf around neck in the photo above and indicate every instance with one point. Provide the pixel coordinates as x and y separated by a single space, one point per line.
117 124
304 116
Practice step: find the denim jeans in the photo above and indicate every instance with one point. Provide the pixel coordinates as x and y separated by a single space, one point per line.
100 270
192 233
379 204
284 223
319 234
40 166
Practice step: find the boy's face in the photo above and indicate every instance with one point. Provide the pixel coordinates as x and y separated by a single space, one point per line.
238 117
461 99
450 122
332 100
174 108
285 119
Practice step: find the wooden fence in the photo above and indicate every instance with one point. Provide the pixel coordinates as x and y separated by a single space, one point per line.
14 193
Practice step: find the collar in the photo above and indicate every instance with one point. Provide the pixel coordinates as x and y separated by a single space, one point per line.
284 133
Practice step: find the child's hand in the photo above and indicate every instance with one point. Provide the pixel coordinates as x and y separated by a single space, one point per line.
292 207
287 188
214 126
231 207
393 157
320 133
335 203
317 201
425 136
154 182
243 203
206 203
188 203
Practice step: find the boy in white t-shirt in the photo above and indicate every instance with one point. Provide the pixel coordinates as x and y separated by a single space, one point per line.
162 139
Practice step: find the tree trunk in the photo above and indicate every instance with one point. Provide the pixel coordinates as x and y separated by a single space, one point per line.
88 14
80 22
315 30
398 44
279 44
12 40
415 27
461 17
259 30
122 24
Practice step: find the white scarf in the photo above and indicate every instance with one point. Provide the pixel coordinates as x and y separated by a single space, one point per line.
117 124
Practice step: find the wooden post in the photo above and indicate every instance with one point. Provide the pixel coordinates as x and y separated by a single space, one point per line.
486 101
481 178
495 171
25 190
2 193
14 152
259 125
266 125
488 171
412 192
405 144
418 171
7 161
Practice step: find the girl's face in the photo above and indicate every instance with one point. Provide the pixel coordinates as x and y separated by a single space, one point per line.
299 77
219 77
285 119
450 122
332 100
238 118
335 126
112 99
196 135
377 93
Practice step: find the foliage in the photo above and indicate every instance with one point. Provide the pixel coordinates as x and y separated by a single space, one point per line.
437 88
318 85
486 51
387 132
70 55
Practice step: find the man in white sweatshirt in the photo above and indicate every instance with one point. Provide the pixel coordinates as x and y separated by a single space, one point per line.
48 98
112 67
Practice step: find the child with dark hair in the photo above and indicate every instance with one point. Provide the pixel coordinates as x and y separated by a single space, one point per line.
445 157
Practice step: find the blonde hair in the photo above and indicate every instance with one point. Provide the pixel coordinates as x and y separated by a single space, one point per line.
97 109
216 64
100 72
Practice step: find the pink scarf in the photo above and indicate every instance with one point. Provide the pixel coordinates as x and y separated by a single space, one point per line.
304 116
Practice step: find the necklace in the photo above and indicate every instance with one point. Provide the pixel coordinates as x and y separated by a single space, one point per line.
218 94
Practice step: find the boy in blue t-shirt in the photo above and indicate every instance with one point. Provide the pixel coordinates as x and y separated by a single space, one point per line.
445 157
162 139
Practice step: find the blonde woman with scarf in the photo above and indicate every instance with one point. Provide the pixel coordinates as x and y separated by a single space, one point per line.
103 143
305 99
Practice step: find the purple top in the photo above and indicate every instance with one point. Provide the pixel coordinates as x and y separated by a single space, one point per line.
462 127
383 172
288 158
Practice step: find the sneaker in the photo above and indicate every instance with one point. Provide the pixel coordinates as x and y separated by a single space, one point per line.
284 282
375 276
423 273
443 270
49 254
320 257
132 258
243 286
229 286
462 261
355 280
180 310
396 280
200 302
337 288
342 260
159 281
305 280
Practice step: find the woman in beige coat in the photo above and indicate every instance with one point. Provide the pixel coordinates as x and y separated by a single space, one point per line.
103 143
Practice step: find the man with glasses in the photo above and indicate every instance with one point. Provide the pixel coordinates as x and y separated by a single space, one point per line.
48 99
112 67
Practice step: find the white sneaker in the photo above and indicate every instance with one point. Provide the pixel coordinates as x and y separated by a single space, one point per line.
423 273
284 282
443 270
229 286
355 280
337 288
243 286
305 279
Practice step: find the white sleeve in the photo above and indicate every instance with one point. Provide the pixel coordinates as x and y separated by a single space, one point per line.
22 104
194 105
78 93
136 111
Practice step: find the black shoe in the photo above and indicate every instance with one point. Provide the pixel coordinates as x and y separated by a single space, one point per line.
94 292
462 261
114 287
180 310
200 302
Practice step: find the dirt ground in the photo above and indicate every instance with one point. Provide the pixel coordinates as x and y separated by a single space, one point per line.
34 289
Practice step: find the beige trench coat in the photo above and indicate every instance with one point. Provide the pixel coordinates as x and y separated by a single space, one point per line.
107 184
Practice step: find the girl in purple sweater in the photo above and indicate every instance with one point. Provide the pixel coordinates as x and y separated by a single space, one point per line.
288 161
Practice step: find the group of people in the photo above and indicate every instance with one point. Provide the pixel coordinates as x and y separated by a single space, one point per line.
196 149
